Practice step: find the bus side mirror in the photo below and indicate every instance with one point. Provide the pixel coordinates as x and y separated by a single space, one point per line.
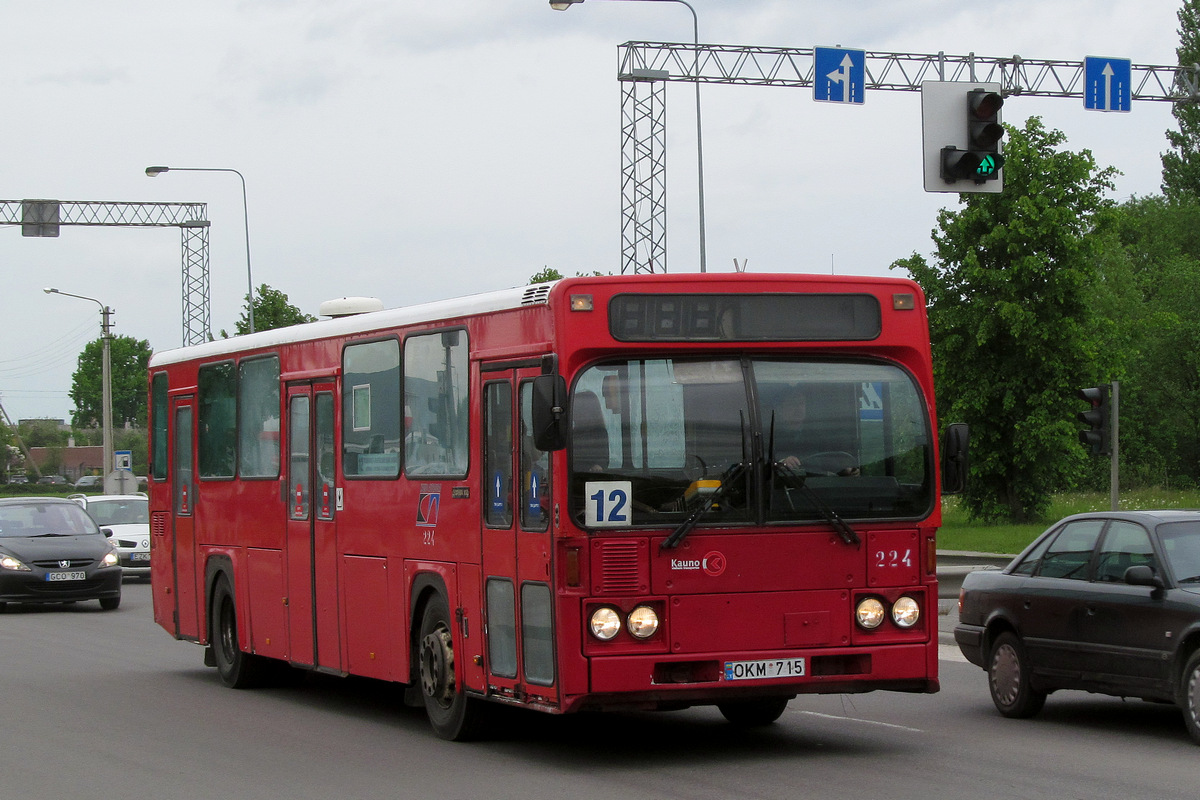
549 412
954 457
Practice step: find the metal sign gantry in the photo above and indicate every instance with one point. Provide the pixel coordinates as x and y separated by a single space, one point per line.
645 67
43 217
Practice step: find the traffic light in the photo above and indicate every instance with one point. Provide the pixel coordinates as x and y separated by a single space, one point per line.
961 133
1098 436
981 161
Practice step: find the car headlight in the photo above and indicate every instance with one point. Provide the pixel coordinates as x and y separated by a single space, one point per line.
906 612
605 623
8 562
870 613
111 559
642 622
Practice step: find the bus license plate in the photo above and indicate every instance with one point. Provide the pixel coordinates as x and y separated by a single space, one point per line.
767 668
66 576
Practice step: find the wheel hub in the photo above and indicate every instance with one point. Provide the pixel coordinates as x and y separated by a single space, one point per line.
437 666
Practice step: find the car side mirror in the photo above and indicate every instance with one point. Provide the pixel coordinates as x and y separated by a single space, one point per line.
107 532
1143 575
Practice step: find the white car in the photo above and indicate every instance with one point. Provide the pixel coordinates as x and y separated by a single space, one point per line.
125 520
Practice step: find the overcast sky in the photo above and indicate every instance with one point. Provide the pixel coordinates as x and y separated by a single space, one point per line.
414 151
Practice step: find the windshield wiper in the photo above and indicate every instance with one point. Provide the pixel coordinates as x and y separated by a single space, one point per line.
730 477
795 480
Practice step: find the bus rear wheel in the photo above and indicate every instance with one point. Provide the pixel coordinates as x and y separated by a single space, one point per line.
452 714
238 669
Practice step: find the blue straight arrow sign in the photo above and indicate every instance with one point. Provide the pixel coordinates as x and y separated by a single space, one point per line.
1108 84
839 75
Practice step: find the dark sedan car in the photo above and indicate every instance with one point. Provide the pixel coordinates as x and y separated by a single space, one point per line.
1104 602
52 552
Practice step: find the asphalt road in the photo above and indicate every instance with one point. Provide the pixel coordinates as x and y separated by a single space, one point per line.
106 704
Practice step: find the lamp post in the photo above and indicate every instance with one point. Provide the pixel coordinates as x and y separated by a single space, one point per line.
563 5
154 172
105 373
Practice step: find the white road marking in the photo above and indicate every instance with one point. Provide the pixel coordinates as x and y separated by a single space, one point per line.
864 721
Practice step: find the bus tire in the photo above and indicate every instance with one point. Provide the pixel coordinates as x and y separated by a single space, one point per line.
237 669
755 713
452 714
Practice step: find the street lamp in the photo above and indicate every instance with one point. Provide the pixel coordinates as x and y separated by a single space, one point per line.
154 172
563 5
106 373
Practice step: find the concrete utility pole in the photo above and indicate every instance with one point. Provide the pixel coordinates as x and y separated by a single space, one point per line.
106 373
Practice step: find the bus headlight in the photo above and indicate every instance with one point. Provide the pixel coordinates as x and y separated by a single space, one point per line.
906 612
870 613
605 623
642 622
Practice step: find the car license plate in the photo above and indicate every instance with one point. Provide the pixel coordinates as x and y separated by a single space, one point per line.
66 576
139 557
767 668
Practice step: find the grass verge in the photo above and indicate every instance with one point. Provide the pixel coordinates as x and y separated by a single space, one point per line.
958 533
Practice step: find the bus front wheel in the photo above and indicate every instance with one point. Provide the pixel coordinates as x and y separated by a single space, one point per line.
754 713
452 714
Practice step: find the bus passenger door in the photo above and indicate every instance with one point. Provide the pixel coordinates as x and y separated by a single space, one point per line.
516 542
174 561
314 636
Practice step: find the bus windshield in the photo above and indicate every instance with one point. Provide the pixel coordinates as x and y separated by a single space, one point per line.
756 440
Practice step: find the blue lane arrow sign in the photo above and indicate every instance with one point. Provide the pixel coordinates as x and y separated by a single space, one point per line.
839 75
1108 84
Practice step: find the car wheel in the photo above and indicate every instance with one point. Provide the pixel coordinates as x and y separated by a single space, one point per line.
1009 679
753 713
238 669
452 714
1189 695
110 603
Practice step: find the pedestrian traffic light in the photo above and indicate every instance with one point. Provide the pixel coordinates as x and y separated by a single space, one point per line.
1097 436
961 133
981 161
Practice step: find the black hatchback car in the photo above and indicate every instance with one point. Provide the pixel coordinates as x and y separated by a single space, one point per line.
1104 602
52 552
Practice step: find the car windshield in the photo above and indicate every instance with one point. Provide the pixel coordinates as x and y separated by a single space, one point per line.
129 511
1181 549
44 519
775 440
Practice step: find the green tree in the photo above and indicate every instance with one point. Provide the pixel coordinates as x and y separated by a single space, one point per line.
1011 320
130 360
1151 283
1181 165
271 310
545 276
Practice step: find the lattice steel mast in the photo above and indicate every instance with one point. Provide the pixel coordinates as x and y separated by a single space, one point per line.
190 218
645 67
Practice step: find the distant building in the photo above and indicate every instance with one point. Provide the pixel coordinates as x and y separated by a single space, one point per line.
71 462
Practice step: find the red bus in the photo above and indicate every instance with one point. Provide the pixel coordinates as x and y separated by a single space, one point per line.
647 491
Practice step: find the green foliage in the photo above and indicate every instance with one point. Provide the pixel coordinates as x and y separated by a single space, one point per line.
1012 324
1181 165
545 276
129 359
271 310
1151 282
